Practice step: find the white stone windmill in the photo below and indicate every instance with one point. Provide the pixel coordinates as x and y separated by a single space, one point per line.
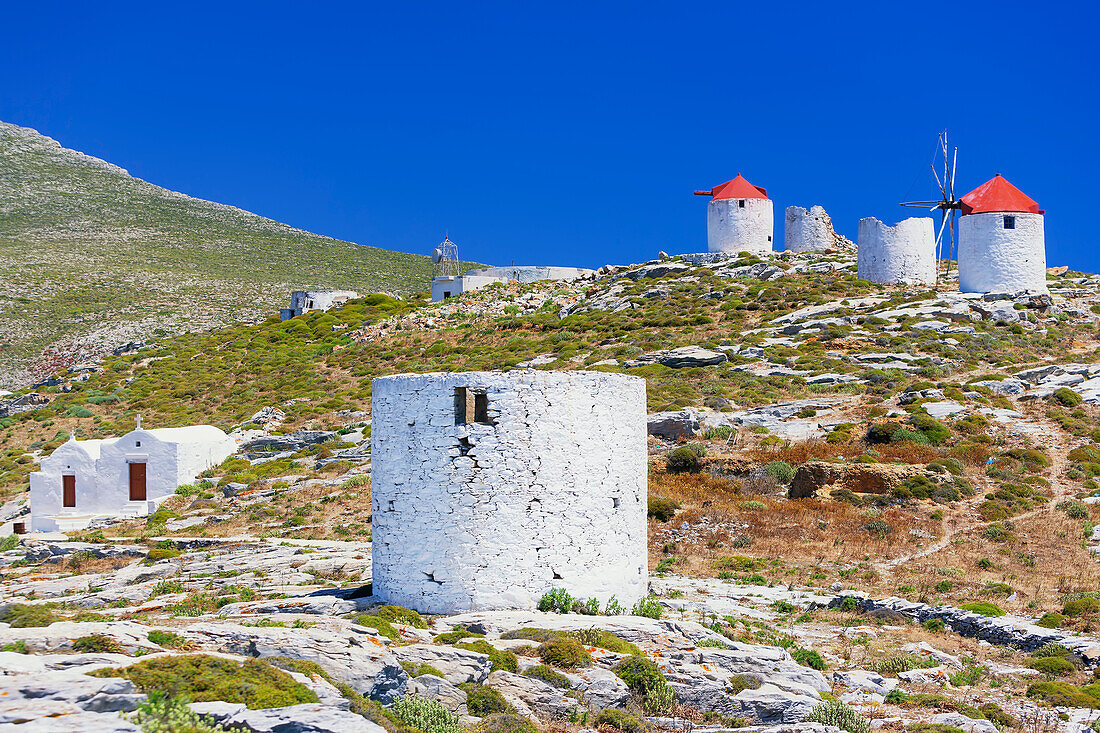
947 204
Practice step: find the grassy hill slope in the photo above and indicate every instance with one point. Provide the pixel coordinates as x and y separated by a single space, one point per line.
92 258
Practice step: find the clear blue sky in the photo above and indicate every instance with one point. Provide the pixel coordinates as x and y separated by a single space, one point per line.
570 132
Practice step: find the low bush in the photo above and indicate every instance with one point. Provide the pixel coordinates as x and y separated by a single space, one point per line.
834 712
893 665
662 509
504 723
1084 606
400 615
97 644
500 659
566 653
809 658
1051 620
1066 397
1053 666
1063 694
620 720
426 715
482 700
983 608
22 615
166 639
162 713
639 673
381 625
606 640
416 669
1074 509
202 678
549 675
683 460
781 471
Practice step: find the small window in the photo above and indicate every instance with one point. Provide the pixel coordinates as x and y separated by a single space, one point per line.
769 237
741 203
471 406
446 294
1010 222
137 443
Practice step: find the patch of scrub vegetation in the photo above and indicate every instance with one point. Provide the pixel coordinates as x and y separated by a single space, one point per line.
202 678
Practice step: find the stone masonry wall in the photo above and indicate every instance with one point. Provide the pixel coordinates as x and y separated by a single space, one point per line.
548 491
808 231
904 254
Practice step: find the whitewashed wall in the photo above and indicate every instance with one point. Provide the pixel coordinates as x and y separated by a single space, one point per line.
808 231
458 284
477 516
733 229
904 254
46 500
995 259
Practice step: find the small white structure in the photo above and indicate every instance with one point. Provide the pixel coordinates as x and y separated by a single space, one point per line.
904 254
85 480
739 218
304 301
490 489
448 286
810 231
1002 244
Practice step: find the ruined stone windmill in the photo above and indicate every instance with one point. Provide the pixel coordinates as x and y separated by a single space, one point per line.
947 204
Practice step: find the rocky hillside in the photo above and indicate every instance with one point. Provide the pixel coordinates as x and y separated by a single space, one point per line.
94 258
869 507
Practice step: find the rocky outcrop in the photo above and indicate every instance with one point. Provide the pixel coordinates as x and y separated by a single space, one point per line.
680 358
678 425
307 718
861 478
1006 630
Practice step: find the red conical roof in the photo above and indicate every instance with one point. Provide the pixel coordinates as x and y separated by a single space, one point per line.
738 188
997 194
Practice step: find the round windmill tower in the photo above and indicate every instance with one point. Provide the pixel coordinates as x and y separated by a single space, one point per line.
1002 245
739 217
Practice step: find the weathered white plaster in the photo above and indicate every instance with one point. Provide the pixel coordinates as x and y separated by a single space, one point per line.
448 286
303 301
533 273
808 231
904 254
995 259
734 228
172 457
480 516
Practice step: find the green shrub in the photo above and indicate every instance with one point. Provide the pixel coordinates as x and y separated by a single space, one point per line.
400 615
893 665
381 625
834 712
505 723
426 715
1053 666
983 608
162 553
781 471
662 509
416 669
1074 509
498 658
1081 606
22 616
935 625
161 713
97 644
1051 620
606 640
1063 694
1067 397
566 653
649 607
683 460
482 700
9 543
809 658
166 639
639 673
620 720
202 678
933 728
549 675
556 600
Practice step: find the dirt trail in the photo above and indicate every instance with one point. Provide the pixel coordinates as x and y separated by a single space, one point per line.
964 516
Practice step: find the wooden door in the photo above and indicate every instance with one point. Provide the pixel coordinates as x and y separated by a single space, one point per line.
68 491
137 482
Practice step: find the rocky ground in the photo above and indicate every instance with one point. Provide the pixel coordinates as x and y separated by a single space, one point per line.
872 507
